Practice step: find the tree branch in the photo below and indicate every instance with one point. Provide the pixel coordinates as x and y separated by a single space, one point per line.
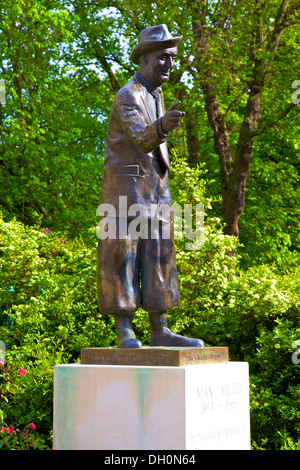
103 61
233 102
272 124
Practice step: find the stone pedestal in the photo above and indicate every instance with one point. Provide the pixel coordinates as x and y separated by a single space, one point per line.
113 407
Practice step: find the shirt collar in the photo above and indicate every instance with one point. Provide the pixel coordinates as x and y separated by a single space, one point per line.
155 91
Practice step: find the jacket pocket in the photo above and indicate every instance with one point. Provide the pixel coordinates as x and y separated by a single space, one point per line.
128 170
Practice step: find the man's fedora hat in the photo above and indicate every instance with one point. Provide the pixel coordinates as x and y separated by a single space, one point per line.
153 39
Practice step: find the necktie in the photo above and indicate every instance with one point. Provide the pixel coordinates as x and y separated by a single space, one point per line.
163 150
159 109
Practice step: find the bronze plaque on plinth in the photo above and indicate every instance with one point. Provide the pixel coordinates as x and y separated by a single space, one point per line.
154 356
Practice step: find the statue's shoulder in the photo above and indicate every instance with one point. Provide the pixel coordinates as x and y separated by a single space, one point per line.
131 91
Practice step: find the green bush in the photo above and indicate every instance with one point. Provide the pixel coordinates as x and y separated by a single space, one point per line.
275 393
12 438
269 226
48 312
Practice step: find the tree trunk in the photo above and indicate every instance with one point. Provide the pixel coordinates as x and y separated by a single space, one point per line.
233 171
221 137
234 167
235 198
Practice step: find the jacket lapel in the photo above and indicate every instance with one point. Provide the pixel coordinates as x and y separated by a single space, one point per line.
149 103
163 149
150 107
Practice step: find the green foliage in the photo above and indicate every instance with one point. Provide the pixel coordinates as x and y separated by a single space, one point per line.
11 438
48 312
270 223
51 278
51 127
274 392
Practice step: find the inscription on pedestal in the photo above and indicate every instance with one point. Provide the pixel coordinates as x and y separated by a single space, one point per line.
223 403
154 356
225 397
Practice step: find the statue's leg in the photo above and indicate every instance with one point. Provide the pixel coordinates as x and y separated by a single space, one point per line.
162 336
125 334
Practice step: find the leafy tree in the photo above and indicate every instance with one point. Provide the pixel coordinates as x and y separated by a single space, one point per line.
50 127
236 67
238 57
238 50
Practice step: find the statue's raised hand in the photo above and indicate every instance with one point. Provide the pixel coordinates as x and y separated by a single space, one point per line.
172 118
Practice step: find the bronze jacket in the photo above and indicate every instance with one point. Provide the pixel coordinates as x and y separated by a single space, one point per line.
136 159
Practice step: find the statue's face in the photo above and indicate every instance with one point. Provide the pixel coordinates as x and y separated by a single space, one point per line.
157 66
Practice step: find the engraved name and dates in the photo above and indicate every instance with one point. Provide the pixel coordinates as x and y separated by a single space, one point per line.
219 403
224 396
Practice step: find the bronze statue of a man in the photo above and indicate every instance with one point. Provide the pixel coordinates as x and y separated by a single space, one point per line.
141 271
